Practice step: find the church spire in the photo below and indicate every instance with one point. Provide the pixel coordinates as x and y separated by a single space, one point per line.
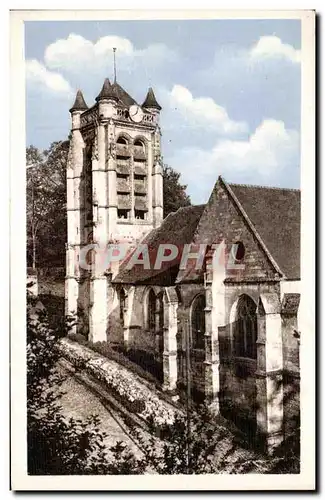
79 103
151 101
107 92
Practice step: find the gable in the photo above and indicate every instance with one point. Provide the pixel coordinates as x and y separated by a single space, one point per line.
275 214
222 220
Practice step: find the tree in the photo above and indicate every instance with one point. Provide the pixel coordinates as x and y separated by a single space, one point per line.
46 204
174 192
35 199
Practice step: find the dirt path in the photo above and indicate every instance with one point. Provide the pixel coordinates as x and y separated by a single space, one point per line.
79 402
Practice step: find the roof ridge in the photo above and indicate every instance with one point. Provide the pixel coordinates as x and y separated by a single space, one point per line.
191 206
186 207
263 187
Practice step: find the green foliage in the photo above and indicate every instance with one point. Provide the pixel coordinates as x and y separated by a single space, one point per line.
46 204
200 445
174 192
55 310
57 446
212 444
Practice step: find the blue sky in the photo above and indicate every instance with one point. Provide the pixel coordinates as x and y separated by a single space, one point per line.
230 90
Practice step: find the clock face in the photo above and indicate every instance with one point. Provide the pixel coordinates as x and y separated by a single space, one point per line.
136 113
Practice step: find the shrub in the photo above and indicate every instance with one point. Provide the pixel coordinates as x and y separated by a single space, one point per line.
200 445
176 445
57 445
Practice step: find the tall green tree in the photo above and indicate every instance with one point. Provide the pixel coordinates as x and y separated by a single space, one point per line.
174 192
46 204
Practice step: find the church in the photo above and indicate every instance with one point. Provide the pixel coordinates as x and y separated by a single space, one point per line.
238 322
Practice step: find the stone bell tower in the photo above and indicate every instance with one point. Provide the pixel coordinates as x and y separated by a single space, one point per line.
114 189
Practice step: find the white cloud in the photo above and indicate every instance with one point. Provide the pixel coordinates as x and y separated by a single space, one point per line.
272 47
39 74
76 52
270 147
266 157
203 111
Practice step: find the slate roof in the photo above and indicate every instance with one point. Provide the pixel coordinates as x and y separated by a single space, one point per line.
115 91
178 229
275 214
107 92
123 96
151 101
79 103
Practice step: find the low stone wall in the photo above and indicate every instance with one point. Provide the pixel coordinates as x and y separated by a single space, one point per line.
125 385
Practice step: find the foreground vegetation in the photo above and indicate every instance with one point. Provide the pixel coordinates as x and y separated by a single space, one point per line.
175 446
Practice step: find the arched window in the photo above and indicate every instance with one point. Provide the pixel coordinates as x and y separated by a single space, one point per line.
151 310
122 305
139 144
198 322
245 327
122 140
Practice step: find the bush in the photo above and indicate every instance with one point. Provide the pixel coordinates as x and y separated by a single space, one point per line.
201 445
55 445
54 306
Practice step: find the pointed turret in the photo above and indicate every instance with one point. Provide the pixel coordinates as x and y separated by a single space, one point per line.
79 103
151 101
107 92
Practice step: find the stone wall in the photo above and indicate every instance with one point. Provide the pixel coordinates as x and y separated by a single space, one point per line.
83 306
223 221
138 335
239 384
291 361
237 375
188 293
